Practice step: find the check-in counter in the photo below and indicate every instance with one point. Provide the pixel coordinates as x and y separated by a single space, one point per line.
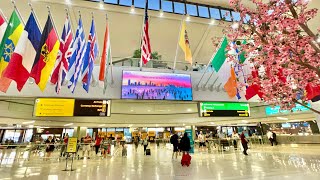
296 139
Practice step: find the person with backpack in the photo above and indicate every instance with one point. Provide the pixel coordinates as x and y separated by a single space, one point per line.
185 148
274 138
175 142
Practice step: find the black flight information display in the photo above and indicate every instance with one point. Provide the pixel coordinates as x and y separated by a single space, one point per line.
91 107
224 109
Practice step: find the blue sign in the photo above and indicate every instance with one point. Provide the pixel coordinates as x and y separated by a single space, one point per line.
189 131
276 109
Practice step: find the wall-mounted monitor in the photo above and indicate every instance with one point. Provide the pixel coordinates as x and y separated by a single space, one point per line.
224 109
156 86
274 110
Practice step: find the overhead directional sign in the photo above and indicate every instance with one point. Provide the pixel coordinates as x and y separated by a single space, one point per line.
224 109
47 107
92 108
56 107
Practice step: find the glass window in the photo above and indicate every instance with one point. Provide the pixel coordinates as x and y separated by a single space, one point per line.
236 16
154 4
179 8
192 10
28 135
215 13
125 2
226 15
111 1
246 19
166 6
140 3
203 11
89 131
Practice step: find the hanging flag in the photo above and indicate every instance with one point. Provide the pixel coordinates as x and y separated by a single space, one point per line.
90 56
22 59
231 85
46 55
145 46
9 41
220 58
313 92
106 55
64 54
184 43
3 26
76 60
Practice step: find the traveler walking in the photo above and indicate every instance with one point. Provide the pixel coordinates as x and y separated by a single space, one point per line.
97 143
202 141
270 137
235 137
145 144
87 145
244 143
185 148
50 146
136 141
174 140
274 138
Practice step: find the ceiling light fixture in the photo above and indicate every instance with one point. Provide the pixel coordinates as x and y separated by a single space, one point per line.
101 5
184 124
68 1
235 26
132 9
70 124
102 125
161 13
282 118
188 17
212 123
213 22
29 122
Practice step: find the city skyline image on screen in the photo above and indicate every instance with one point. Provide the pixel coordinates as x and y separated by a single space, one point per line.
156 86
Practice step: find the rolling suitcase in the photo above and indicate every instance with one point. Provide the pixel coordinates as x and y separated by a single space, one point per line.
186 159
148 152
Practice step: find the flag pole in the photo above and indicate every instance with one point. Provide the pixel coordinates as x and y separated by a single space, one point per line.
177 49
68 16
35 16
210 62
111 61
18 12
93 79
54 26
2 14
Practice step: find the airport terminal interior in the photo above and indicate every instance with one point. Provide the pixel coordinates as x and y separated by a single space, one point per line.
148 89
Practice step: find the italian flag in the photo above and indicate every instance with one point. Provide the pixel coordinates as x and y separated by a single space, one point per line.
225 70
106 58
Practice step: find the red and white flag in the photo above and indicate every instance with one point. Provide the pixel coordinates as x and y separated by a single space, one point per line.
23 56
3 26
145 46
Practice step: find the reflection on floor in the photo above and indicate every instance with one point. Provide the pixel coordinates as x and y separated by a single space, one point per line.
264 162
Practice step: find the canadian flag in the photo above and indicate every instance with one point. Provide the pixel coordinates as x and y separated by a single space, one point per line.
3 26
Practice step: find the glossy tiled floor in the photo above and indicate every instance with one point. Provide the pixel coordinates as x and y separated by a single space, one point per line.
263 162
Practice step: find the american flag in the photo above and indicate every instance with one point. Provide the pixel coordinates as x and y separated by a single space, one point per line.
64 54
89 58
145 46
76 60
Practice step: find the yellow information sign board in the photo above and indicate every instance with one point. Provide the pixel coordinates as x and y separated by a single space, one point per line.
72 145
53 107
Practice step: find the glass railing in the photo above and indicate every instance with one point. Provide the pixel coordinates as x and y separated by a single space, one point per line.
161 64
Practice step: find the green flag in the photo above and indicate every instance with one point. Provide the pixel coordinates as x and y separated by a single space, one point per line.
220 56
242 57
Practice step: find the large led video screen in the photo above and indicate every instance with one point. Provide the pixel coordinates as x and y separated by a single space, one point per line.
156 86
